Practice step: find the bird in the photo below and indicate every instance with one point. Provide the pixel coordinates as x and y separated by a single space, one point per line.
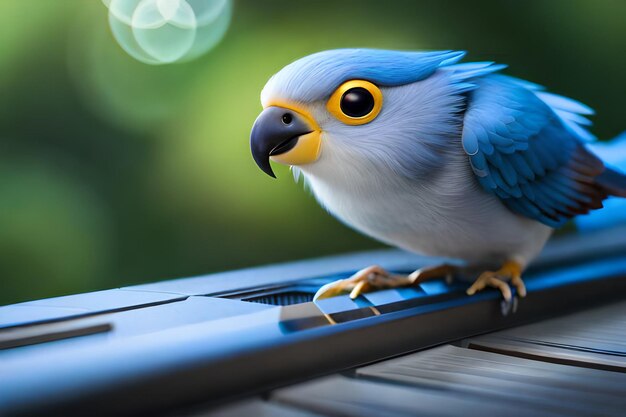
435 156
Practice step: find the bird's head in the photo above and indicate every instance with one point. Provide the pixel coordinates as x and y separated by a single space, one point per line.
355 103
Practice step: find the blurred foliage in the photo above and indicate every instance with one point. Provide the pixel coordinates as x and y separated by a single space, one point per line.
113 172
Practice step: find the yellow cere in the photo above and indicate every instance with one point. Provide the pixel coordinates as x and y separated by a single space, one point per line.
308 148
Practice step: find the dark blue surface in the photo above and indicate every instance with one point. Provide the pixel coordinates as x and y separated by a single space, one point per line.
161 338
162 328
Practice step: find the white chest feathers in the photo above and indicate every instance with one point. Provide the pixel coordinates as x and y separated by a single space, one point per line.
447 215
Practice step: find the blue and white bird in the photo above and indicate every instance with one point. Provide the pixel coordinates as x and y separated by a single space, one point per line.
433 156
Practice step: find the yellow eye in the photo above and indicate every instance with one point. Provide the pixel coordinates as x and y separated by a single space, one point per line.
356 102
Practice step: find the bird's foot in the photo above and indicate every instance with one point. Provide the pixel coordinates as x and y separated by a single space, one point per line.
375 278
511 271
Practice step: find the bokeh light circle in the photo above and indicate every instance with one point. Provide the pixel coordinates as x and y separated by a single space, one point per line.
166 31
213 23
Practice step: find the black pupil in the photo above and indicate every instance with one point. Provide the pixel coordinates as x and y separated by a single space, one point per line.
287 119
357 102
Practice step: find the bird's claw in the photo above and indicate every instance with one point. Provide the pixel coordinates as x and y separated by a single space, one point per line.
363 281
375 277
329 290
511 271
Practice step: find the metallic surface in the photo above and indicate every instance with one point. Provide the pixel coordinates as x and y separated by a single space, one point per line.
195 341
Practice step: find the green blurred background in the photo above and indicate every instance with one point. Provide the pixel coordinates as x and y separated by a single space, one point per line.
113 172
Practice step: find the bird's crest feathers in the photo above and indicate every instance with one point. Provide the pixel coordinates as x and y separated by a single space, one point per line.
316 76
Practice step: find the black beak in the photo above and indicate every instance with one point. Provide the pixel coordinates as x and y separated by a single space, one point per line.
275 131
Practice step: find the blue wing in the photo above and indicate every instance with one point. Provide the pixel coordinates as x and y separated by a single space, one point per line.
526 147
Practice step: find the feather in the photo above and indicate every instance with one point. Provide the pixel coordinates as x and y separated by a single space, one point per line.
613 182
532 142
295 171
316 76
461 74
571 113
564 103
